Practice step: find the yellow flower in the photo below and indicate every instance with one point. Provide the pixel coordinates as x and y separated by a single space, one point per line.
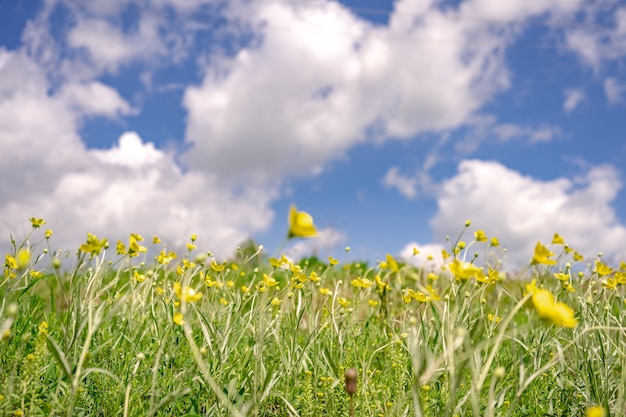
603 269
561 276
382 286
139 277
134 248
178 319
389 263
361 282
494 318
275 301
217 267
314 277
332 261
465 270
48 233
300 224
542 254
36 223
343 301
557 312
480 236
155 240
94 246
557 240
120 248
166 258
372 303
269 281
186 294
595 411
325 291
22 258
610 283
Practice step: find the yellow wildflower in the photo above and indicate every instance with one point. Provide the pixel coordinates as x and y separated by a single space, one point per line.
134 248
344 302
325 291
542 255
557 312
603 269
480 236
300 224
557 240
217 267
595 411
36 223
178 319
361 282
186 294
464 270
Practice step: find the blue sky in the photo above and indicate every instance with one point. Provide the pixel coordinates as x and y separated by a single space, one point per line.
390 122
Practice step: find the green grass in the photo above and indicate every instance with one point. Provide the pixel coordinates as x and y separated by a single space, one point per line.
269 337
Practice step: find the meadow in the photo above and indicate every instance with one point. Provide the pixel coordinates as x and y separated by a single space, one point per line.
109 330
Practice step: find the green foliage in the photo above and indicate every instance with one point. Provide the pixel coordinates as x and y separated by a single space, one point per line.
191 335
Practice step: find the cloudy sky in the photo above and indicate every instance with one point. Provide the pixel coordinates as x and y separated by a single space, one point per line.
391 122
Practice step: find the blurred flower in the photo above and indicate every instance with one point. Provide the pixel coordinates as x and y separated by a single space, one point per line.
480 236
36 223
300 224
557 312
542 254
186 294
595 411
557 240
178 319
134 248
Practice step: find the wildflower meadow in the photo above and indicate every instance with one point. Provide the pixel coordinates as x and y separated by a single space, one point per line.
130 328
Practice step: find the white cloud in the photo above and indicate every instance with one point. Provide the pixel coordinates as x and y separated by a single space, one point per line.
406 186
487 128
336 81
119 48
429 256
410 185
508 131
131 152
573 98
613 90
132 187
95 99
322 245
520 210
597 43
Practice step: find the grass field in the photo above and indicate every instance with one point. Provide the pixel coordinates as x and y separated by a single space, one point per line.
112 331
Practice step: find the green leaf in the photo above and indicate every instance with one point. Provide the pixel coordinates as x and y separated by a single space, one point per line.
54 348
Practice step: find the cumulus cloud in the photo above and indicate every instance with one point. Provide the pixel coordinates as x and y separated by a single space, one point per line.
132 187
337 81
426 256
520 209
303 83
322 245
